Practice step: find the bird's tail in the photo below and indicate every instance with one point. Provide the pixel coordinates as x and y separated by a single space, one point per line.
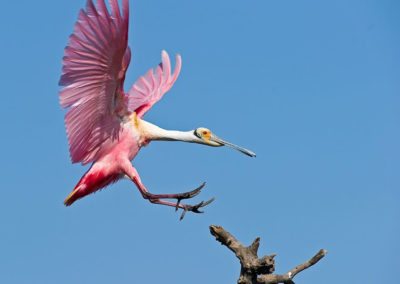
73 196
91 182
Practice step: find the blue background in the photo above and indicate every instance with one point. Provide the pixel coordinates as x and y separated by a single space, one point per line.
313 87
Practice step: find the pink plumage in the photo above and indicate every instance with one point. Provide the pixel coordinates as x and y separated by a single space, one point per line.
103 123
150 88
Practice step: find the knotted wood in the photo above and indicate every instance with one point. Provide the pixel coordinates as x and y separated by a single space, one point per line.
255 270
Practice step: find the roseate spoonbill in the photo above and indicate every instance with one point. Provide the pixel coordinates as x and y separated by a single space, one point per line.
104 124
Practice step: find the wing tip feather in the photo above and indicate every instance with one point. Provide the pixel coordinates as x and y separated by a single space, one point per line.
79 44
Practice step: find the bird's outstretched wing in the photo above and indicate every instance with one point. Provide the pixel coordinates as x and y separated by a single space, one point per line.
150 88
94 65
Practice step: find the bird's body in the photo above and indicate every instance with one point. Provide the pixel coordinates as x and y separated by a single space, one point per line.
108 165
104 124
113 159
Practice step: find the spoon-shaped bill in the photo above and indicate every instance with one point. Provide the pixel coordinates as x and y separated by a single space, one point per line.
233 146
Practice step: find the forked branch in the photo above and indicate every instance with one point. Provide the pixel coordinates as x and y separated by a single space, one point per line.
255 270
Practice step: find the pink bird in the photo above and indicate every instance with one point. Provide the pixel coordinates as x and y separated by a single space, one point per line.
104 124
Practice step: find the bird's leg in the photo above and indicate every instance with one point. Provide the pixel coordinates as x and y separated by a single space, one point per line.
178 196
185 207
157 198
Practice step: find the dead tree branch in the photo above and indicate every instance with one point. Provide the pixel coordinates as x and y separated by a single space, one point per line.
255 270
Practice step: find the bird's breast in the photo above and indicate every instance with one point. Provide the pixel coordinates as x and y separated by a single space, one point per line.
133 138
137 130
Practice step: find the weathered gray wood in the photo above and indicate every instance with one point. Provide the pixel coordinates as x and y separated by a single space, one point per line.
255 270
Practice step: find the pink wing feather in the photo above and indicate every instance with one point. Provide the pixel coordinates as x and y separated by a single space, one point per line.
94 66
150 88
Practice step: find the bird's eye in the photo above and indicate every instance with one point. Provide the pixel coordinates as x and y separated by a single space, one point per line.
205 132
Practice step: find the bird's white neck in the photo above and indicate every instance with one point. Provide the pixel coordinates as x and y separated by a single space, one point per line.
153 132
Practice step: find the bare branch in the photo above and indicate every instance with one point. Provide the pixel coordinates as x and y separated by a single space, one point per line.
254 246
255 270
307 264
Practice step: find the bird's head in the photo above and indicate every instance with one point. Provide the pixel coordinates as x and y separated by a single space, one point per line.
205 136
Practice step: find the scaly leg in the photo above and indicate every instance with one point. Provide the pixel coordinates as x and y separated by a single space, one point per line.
184 207
157 198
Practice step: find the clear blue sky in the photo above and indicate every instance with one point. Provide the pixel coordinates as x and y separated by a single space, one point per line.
313 87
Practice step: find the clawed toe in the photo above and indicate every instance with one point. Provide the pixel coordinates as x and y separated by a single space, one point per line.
160 199
195 208
188 195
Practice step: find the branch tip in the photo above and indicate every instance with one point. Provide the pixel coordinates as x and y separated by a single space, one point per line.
255 245
255 270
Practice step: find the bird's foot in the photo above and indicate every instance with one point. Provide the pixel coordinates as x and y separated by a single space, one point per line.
193 208
160 199
187 195
178 196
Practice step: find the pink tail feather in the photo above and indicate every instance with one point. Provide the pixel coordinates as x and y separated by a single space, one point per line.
90 183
